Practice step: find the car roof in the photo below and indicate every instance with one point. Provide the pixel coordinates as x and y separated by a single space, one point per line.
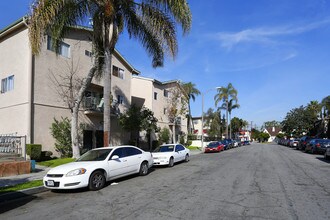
113 147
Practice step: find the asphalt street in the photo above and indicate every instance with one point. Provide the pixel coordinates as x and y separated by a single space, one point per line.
259 181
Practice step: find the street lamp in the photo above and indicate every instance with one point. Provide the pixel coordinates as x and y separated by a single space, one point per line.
218 87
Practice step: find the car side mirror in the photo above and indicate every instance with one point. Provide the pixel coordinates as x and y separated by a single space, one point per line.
115 157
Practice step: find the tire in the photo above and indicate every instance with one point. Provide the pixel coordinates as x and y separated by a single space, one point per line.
171 162
186 159
144 169
96 181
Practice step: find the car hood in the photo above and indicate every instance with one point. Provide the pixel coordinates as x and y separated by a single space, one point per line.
65 168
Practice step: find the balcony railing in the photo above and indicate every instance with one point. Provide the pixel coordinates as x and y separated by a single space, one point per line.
94 104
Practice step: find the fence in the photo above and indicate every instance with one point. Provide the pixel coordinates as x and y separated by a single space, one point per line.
12 145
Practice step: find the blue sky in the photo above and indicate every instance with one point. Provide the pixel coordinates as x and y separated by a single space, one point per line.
275 53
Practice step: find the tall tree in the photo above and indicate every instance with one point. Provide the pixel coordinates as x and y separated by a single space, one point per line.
223 95
176 108
149 21
192 92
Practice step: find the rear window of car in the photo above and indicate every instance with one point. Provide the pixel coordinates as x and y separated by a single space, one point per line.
164 148
213 144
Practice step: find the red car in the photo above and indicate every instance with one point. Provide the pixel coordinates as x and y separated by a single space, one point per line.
214 146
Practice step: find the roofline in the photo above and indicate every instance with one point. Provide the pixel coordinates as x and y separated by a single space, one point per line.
13 26
149 79
23 21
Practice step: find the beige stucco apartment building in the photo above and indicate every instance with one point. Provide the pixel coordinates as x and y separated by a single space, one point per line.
29 100
158 96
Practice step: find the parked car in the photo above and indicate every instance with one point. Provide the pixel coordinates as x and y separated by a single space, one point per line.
303 142
226 144
294 143
317 146
97 166
246 142
169 154
214 146
327 153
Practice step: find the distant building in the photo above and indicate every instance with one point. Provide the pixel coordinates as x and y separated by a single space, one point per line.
273 132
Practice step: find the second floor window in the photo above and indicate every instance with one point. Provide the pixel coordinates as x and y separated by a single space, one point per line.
116 71
7 84
63 50
166 92
155 95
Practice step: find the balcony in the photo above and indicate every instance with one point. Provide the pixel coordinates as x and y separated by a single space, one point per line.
92 105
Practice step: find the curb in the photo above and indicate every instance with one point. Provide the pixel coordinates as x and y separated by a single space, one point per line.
21 193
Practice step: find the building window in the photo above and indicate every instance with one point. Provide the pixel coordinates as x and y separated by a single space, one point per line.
88 53
7 84
116 71
120 99
166 92
63 50
155 95
165 111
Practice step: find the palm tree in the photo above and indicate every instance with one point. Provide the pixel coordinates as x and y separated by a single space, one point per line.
149 21
231 106
192 92
224 94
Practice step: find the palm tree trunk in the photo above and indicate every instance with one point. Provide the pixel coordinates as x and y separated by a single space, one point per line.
189 121
75 110
227 119
107 87
230 125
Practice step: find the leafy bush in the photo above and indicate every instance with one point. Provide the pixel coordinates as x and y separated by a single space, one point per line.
34 151
182 140
192 137
155 144
164 135
61 131
46 155
188 143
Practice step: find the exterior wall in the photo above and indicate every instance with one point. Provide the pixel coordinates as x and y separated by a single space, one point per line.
30 107
15 60
144 89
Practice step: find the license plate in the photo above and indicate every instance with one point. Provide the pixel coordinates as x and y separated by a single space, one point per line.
50 182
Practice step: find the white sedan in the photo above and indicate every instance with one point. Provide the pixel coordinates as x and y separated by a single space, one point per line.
97 166
169 154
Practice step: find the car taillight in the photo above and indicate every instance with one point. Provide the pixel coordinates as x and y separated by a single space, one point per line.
318 145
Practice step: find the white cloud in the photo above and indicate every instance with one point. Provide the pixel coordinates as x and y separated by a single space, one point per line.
264 35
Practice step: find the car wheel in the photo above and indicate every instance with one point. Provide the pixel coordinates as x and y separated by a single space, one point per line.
144 169
96 181
171 162
186 159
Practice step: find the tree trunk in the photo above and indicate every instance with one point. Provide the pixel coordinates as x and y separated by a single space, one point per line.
230 125
75 110
227 119
189 120
110 38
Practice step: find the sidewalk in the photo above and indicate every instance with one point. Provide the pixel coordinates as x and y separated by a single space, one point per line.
38 174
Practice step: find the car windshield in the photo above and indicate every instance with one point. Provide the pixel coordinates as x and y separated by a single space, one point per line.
165 148
95 155
212 145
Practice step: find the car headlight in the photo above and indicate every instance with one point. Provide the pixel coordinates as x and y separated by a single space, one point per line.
76 172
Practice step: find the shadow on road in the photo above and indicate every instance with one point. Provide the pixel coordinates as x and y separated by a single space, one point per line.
323 159
16 200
